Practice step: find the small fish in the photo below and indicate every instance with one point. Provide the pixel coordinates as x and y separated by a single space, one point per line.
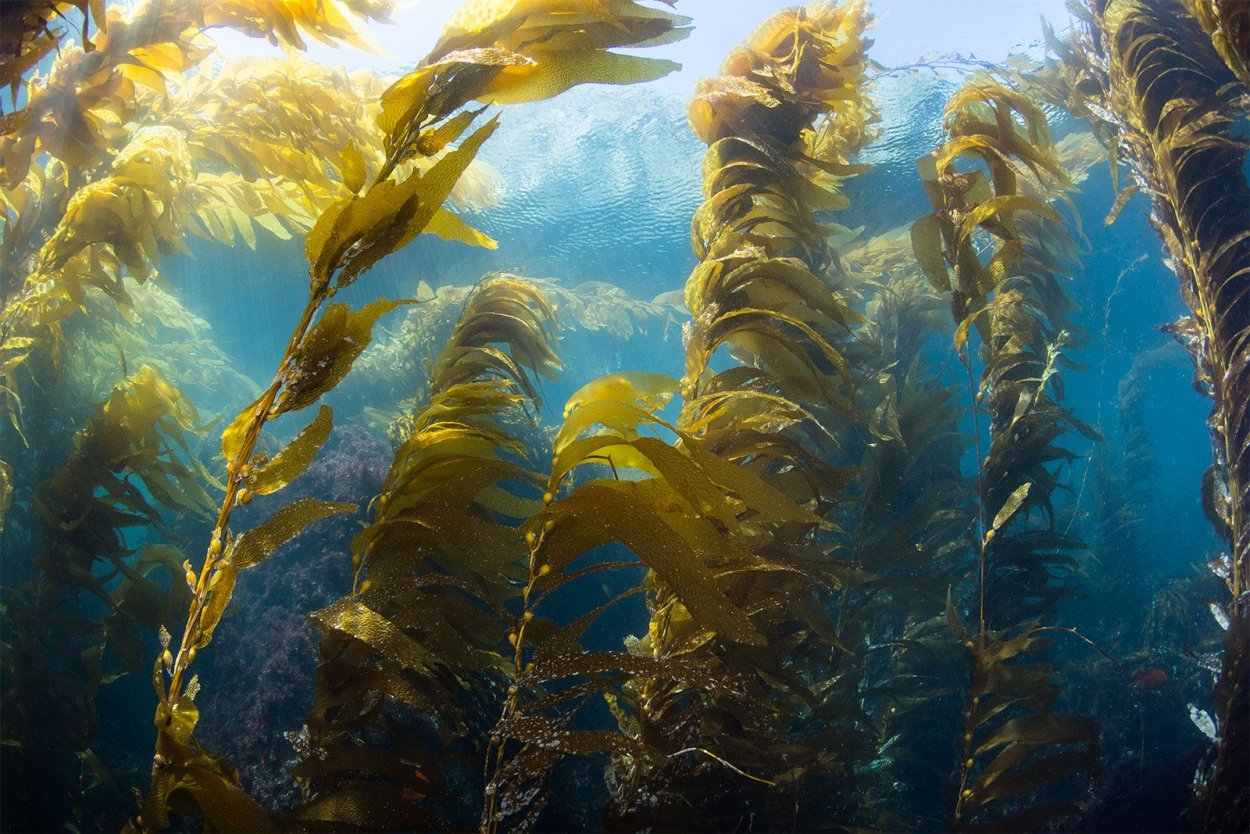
413 794
1149 677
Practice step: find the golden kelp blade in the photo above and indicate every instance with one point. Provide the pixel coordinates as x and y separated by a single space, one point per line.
557 25
358 231
6 490
296 457
552 76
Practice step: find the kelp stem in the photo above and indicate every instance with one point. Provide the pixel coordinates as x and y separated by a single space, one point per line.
495 744
251 435
965 768
973 392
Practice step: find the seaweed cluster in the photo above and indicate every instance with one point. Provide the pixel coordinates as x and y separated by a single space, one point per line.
710 505
78 624
96 177
759 595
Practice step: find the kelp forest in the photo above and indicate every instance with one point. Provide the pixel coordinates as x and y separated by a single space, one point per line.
505 444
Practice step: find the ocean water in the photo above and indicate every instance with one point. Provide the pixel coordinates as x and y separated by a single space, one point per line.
593 195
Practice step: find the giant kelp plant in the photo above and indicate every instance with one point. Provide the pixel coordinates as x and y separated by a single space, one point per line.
421 629
1167 92
824 577
782 123
1015 302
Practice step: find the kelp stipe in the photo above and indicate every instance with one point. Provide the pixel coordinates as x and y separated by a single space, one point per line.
1170 101
1013 745
131 467
423 629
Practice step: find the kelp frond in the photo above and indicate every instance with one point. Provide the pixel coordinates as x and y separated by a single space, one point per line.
782 123
425 622
996 229
1171 110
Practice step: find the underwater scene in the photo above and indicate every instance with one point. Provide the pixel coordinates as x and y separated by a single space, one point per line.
624 415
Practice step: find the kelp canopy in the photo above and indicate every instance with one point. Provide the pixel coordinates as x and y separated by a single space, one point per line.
839 526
